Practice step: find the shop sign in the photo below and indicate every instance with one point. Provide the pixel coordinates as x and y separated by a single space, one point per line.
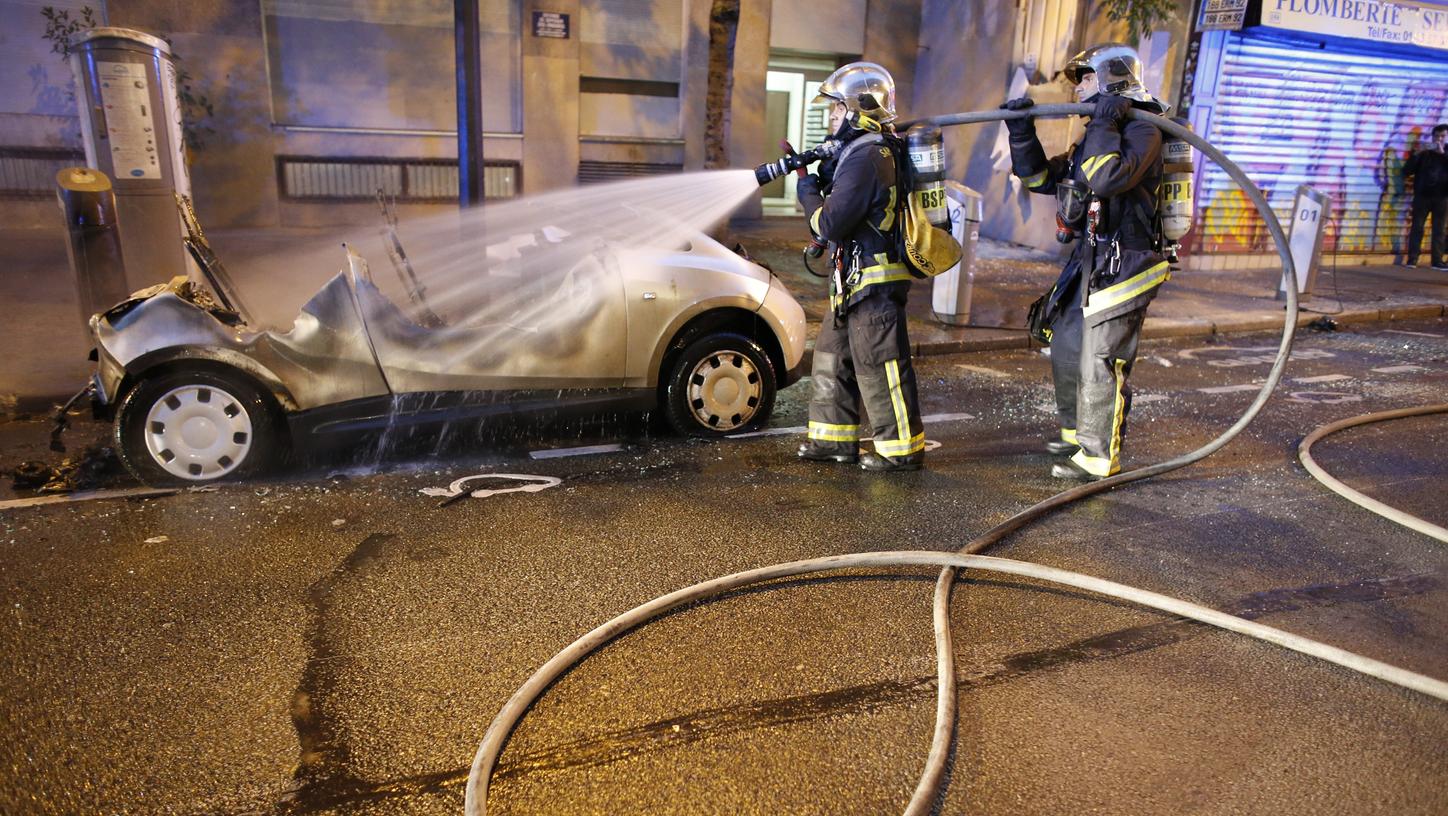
1375 20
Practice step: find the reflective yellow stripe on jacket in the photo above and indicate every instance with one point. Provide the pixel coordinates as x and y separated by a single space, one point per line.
1119 293
883 272
1095 163
1036 181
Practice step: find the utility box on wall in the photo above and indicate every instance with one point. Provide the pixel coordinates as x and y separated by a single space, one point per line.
130 118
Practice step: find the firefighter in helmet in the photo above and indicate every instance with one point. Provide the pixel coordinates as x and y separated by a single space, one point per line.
862 353
1106 191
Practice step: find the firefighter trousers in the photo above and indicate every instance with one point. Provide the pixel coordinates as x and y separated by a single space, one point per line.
865 357
1090 366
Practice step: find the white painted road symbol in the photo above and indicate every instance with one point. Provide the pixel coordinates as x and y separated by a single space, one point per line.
534 484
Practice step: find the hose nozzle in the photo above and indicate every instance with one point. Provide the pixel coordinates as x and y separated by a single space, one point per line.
769 171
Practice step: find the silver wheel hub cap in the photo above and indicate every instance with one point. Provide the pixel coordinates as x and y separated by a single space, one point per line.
724 390
198 432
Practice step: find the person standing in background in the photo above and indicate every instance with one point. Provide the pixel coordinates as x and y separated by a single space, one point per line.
1428 167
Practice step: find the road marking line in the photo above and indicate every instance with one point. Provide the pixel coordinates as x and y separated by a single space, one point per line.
946 417
989 372
559 453
1399 369
1146 398
1322 378
1229 389
1415 334
1323 397
799 429
794 429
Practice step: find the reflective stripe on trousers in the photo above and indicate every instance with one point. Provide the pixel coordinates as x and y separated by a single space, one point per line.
904 442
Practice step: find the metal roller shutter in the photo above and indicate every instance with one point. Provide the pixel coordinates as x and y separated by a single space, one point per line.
1338 122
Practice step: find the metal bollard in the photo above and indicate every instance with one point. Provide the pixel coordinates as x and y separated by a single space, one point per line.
89 206
950 297
1311 210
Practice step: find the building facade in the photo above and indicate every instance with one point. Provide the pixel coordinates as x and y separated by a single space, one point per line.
317 104
314 105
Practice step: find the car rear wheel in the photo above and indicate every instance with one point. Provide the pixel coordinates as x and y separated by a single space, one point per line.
193 427
721 384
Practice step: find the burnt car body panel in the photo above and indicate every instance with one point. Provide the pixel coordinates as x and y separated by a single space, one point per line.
324 358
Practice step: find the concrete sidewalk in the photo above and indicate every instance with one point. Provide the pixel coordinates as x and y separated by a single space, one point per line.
44 342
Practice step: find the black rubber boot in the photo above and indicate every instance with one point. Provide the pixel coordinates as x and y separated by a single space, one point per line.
1060 447
886 464
818 453
1070 470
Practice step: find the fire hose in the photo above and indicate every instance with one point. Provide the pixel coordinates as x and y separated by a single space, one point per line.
927 790
1304 452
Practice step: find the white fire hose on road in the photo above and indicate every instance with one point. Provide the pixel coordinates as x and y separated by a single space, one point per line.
927 791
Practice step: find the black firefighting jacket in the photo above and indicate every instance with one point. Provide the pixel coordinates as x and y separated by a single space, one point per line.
856 212
1429 170
1120 163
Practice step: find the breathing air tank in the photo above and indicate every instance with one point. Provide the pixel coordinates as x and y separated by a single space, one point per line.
1174 199
927 157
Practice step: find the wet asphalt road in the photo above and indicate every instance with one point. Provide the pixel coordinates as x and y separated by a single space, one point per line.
337 642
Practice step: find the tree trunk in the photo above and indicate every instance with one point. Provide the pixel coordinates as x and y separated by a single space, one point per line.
723 26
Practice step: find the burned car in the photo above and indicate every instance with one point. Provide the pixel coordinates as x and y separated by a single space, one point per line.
198 394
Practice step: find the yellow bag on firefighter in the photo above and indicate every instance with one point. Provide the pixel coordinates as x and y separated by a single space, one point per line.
929 250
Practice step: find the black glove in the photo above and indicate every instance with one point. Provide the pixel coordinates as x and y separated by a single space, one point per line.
1020 127
809 185
1110 110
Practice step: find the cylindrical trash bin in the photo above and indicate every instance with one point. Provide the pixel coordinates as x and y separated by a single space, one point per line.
94 246
950 298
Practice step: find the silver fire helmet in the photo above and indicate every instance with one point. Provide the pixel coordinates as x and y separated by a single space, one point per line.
866 90
1118 70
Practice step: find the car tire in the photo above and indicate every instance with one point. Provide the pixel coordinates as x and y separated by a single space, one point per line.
720 384
196 426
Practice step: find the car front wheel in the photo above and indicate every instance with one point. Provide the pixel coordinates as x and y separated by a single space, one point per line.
721 384
194 427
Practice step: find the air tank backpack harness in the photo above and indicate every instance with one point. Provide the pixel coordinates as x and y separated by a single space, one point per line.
916 225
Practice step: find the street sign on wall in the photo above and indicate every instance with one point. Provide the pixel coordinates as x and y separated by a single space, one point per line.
1223 15
550 24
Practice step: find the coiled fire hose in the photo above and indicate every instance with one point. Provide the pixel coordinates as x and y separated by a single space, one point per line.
928 788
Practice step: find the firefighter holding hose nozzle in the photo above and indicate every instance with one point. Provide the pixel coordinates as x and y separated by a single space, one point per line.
1106 188
863 352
